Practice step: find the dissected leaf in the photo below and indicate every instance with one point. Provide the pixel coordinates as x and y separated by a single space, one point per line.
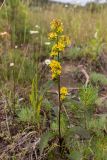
46 137
75 155
26 115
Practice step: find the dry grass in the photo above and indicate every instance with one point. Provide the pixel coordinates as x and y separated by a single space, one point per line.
80 23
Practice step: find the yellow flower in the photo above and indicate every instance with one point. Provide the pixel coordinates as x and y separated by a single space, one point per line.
63 92
52 35
56 25
59 29
58 47
53 53
65 39
55 68
55 48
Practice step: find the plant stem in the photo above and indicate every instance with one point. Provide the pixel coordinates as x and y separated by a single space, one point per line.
59 105
14 85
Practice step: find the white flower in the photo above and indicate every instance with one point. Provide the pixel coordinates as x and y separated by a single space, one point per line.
37 26
16 47
3 33
96 35
66 6
11 64
47 43
34 32
21 99
47 61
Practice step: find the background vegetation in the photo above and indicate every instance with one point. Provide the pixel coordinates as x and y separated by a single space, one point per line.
28 97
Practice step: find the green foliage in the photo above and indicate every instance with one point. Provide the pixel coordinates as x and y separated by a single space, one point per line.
26 115
32 114
85 129
36 100
93 47
44 142
9 98
47 104
75 155
98 125
18 16
54 126
80 150
77 132
26 72
24 68
13 3
100 148
41 2
64 123
82 130
94 7
98 78
74 53
88 96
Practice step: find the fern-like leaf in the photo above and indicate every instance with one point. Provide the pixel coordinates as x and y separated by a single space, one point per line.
46 137
26 115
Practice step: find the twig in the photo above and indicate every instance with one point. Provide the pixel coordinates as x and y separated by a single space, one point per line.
85 74
23 139
2 4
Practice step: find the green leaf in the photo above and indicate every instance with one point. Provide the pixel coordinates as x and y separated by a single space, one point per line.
75 155
76 132
46 137
83 133
26 115
88 96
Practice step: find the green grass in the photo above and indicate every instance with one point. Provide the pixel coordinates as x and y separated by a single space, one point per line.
35 117
79 23
98 78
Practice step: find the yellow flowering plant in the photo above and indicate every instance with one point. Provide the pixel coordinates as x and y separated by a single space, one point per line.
57 26
55 68
52 35
60 42
63 92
